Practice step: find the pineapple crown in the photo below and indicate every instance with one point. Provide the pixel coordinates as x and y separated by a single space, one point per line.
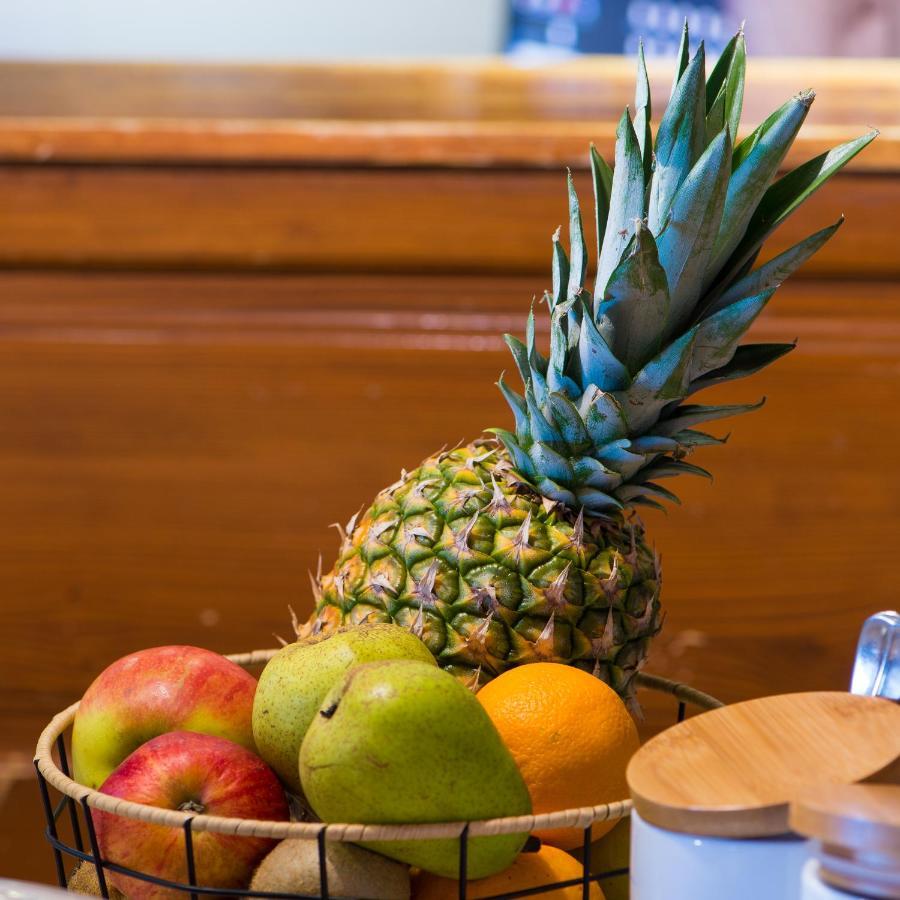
680 223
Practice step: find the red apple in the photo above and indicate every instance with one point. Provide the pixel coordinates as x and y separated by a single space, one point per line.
150 692
197 772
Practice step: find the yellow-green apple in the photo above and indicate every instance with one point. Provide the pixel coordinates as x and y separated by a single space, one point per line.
196 773
154 691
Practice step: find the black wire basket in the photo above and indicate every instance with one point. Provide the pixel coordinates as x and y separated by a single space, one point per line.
71 833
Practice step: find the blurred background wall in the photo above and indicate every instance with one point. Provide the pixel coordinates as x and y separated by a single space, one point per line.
259 30
287 30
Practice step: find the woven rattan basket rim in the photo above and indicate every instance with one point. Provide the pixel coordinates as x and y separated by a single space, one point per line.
567 818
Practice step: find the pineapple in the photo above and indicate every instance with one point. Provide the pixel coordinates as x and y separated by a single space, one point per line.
526 545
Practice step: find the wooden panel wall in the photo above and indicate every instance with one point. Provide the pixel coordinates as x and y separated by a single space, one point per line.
216 339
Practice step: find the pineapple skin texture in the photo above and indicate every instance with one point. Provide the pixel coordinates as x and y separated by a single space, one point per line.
491 575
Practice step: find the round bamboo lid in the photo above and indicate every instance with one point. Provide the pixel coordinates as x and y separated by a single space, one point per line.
852 816
858 826
732 772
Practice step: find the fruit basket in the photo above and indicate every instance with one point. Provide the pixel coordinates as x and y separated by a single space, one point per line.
71 829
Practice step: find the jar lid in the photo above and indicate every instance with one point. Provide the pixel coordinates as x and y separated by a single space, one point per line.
732 772
853 817
858 827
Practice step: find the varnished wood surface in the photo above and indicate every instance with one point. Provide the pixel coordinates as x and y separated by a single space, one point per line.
473 114
356 219
320 167
476 90
733 772
514 144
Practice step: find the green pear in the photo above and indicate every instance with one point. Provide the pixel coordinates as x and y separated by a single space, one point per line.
297 678
404 742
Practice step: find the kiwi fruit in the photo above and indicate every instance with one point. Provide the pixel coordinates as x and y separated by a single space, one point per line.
293 867
83 880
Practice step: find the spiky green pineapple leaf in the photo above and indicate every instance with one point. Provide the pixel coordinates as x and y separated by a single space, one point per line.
680 139
715 81
689 439
520 356
715 118
651 444
517 404
539 428
718 335
559 272
667 467
663 379
726 81
773 273
569 423
557 379
685 243
602 177
798 185
593 473
551 464
536 364
617 456
646 501
520 459
626 203
636 303
682 57
631 492
550 489
643 112
688 414
743 149
538 385
536 361
577 248
751 179
734 86
599 365
559 342
790 191
603 416
596 501
747 360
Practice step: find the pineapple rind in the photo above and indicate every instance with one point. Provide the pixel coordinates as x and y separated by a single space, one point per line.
490 574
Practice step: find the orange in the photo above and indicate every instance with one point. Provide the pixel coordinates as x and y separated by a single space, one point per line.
530 870
570 735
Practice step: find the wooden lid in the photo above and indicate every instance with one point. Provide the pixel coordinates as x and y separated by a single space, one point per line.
853 817
858 826
732 772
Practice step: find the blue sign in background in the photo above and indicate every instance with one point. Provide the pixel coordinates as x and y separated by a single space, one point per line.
564 27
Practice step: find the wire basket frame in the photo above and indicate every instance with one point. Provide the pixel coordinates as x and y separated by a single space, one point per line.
78 801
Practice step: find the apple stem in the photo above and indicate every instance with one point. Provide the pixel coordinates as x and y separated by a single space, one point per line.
192 806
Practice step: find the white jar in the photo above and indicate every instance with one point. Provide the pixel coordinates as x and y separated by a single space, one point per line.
666 865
